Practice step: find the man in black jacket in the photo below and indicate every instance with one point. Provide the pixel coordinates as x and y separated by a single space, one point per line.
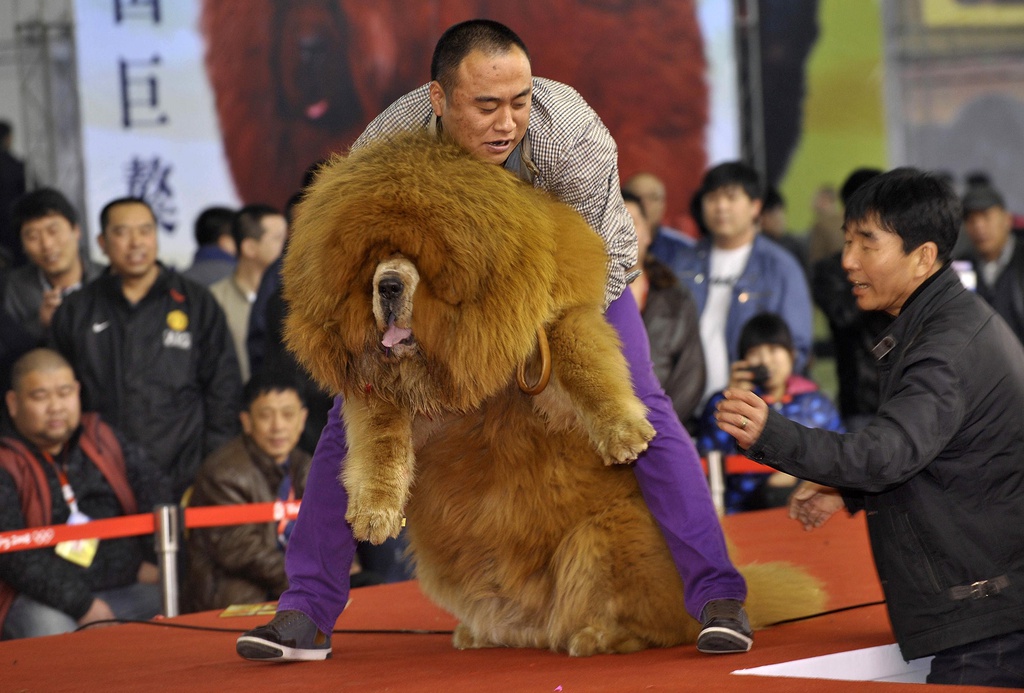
50 237
152 349
853 330
940 469
997 255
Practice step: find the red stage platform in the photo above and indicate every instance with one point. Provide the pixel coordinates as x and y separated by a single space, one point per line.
378 648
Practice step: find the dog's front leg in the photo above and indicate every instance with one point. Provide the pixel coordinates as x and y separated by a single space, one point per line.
379 468
588 365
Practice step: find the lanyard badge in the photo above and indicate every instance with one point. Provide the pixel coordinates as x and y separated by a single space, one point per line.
81 552
78 551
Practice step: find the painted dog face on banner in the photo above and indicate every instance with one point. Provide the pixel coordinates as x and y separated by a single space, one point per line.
297 80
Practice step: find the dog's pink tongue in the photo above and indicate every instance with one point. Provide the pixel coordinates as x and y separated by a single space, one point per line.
394 335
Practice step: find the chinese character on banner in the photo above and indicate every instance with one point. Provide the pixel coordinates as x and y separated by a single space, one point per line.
148 179
137 9
140 96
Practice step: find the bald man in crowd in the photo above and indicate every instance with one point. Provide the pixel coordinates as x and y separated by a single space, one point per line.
651 191
61 466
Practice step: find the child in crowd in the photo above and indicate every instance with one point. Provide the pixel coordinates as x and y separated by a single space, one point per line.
766 345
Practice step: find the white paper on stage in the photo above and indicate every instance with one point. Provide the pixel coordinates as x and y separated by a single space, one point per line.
883 663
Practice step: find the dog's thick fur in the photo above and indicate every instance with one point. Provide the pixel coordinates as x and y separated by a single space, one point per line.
515 524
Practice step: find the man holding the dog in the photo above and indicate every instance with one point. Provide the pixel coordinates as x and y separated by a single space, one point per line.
484 97
939 470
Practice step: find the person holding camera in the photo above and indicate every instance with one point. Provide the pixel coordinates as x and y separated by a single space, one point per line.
766 368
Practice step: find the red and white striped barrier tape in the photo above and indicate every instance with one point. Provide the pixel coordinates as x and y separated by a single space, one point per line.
134 525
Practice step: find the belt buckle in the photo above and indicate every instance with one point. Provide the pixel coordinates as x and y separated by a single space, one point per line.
982 589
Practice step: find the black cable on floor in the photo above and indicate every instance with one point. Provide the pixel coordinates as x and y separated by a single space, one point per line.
825 613
415 631
212 629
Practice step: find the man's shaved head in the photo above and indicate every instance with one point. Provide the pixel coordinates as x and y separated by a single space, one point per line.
36 360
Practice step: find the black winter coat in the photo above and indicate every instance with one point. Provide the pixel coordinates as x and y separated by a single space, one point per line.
854 333
163 372
673 328
939 470
1007 294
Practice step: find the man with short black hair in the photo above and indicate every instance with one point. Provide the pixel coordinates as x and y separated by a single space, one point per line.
151 348
259 232
939 471
60 466
216 250
736 274
997 256
51 239
244 564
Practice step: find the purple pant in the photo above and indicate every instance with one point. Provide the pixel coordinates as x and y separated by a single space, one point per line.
321 547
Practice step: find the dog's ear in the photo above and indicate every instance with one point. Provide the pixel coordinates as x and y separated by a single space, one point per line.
327 280
318 250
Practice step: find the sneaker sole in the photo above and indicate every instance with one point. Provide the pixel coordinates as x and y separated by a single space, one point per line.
260 650
716 640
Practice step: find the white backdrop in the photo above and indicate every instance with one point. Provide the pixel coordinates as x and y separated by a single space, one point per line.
148 120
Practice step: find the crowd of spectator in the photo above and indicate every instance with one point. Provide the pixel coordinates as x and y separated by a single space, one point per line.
129 385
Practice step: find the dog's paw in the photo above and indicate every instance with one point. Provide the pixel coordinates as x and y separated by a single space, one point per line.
373 525
594 640
586 642
624 440
463 638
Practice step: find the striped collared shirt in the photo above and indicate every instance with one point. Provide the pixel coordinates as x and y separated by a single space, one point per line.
570 153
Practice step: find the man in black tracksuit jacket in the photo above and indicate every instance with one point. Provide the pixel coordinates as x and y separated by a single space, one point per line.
940 469
152 350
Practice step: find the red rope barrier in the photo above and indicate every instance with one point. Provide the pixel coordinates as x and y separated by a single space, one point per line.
221 515
134 525
211 516
738 464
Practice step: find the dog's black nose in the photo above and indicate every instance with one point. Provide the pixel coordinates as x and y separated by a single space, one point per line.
390 288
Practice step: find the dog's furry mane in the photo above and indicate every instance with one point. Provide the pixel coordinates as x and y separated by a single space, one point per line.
407 196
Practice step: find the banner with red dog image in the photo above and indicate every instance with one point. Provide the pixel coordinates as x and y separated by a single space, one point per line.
195 103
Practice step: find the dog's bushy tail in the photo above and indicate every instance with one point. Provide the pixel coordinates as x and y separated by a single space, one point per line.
780 591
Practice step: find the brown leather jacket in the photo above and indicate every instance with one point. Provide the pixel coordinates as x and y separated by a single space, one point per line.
239 564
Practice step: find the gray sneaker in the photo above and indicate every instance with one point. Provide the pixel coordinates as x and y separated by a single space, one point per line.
291 636
725 629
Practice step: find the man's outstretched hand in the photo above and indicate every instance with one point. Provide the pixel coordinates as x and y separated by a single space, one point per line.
743 415
812 504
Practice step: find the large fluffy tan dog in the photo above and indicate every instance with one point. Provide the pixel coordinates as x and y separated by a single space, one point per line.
419 280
